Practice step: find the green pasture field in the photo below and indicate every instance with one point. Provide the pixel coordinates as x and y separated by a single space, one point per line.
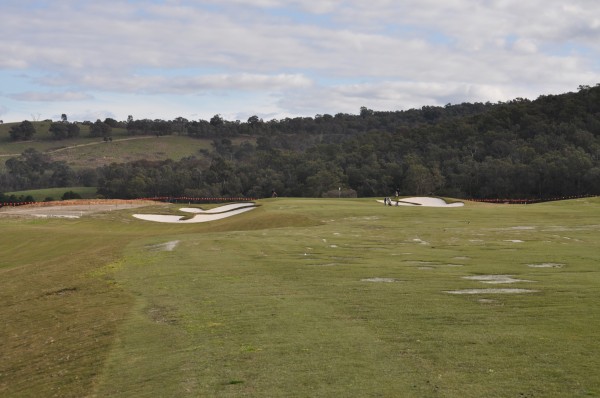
86 152
304 298
94 152
40 195
130 149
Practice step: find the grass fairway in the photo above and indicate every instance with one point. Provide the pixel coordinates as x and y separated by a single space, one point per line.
305 298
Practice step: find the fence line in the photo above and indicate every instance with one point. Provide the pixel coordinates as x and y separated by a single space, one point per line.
530 201
178 199
171 199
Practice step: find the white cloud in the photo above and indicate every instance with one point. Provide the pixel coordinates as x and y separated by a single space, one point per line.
50 96
298 56
392 95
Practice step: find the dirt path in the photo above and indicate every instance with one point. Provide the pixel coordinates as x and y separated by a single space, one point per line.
100 142
82 145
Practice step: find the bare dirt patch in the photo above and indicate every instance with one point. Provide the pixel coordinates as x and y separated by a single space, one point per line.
164 247
546 265
71 209
379 280
495 279
491 291
487 301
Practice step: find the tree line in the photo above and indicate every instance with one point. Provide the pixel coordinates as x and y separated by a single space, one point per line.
548 147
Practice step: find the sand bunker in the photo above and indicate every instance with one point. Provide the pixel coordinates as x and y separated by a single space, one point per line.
424 201
217 210
201 215
495 279
490 291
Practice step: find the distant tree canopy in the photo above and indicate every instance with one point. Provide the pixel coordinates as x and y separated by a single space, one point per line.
35 170
70 195
23 131
549 147
63 130
101 129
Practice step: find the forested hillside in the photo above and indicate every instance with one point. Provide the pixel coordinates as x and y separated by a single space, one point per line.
546 148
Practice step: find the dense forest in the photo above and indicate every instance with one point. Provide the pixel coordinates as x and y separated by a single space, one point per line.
545 148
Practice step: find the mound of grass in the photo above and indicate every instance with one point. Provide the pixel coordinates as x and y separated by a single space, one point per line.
304 297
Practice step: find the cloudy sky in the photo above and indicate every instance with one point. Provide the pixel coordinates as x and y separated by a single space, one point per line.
162 59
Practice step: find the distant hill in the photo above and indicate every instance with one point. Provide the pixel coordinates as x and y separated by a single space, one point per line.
548 147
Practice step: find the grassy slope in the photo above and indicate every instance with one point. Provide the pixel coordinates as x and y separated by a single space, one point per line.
273 303
86 151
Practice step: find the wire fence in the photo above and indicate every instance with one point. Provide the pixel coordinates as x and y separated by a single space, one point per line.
167 199
206 199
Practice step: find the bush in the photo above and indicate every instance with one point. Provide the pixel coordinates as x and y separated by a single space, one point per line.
71 195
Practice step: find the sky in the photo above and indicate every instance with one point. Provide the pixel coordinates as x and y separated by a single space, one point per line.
162 59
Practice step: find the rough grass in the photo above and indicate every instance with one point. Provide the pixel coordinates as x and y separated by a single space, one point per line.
56 193
86 151
280 302
130 149
93 152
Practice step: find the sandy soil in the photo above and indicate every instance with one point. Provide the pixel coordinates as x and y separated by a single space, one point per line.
491 291
62 210
379 280
495 279
164 247
546 265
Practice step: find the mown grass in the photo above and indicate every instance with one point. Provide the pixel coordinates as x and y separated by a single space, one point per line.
277 302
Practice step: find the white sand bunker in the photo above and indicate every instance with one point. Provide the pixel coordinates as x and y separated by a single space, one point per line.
495 279
424 201
490 291
379 280
201 215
